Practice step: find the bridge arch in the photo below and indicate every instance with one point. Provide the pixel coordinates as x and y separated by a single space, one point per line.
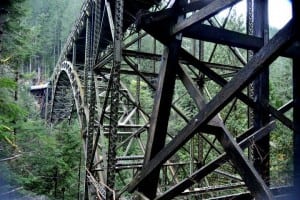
119 128
67 93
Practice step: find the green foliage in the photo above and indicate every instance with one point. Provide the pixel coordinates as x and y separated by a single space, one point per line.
146 100
7 83
34 31
49 163
50 160
281 138
281 82
281 156
14 32
10 111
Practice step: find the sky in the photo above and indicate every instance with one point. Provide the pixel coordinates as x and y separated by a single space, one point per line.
280 11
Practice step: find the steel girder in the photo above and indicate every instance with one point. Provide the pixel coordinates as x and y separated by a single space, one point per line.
120 55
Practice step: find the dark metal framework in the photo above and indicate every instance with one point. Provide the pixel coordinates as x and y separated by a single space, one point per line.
164 51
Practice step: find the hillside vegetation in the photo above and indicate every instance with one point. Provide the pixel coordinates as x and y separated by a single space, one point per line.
47 159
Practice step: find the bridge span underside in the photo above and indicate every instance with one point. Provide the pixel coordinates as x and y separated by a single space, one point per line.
156 85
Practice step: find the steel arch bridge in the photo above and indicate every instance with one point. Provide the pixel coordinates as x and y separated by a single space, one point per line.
125 72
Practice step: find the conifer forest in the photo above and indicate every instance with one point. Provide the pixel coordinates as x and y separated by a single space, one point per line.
149 99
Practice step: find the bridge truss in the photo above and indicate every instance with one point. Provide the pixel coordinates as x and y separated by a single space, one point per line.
124 72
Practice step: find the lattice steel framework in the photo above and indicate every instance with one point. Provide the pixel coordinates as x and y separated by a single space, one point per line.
131 68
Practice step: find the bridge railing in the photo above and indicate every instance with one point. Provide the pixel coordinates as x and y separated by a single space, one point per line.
74 33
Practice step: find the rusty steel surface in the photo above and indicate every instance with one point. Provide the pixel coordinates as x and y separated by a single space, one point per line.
124 71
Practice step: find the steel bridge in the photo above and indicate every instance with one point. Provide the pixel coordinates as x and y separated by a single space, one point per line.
127 66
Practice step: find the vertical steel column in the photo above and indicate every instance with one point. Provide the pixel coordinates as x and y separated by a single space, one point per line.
161 112
86 99
250 88
296 98
46 104
74 54
95 37
114 108
154 52
91 90
296 116
138 80
87 56
200 83
261 150
162 108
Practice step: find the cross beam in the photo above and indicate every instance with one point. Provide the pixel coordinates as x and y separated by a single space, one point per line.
265 56
213 165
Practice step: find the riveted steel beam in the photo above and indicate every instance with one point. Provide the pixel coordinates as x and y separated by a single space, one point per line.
266 55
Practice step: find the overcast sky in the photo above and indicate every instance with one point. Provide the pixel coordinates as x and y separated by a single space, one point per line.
280 11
